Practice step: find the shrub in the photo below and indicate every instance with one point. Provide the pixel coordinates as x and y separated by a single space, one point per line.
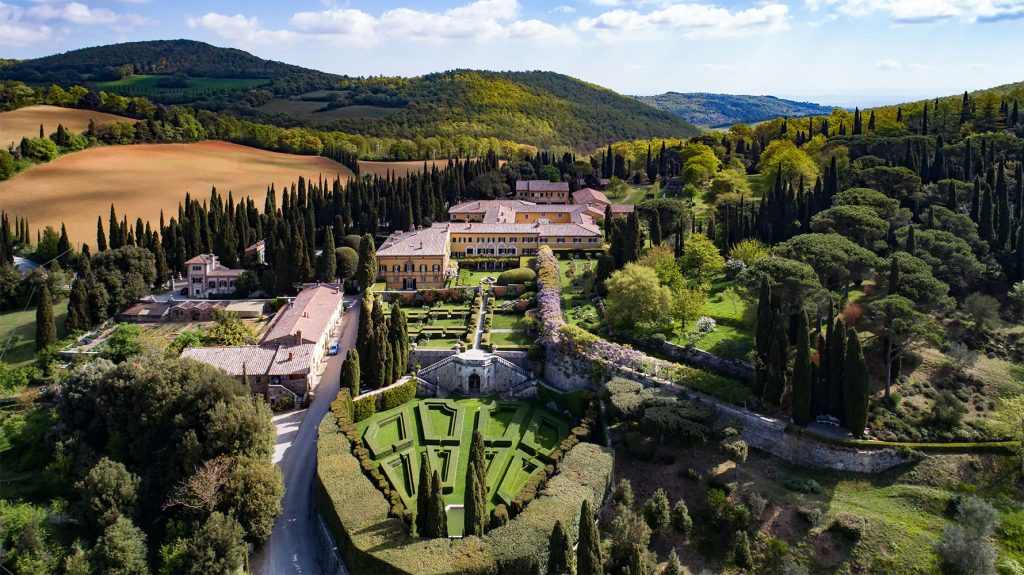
807 486
516 276
364 408
398 395
757 503
681 520
656 511
623 494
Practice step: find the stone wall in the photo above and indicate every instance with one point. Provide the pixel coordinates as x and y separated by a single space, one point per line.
708 361
424 357
518 358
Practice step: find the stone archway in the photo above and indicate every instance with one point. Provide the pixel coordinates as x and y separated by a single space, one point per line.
474 382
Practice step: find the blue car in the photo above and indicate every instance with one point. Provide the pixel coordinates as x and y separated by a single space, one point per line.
333 350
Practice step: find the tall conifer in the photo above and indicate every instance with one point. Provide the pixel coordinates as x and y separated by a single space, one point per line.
46 328
855 385
588 550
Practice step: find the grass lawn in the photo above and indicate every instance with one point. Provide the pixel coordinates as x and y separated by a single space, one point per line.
507 321
439 343
528 425
510 339
22 324
472 278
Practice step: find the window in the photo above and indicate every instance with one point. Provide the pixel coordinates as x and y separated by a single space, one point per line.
437 268
396 268
383 269
577 240
423 268
561 240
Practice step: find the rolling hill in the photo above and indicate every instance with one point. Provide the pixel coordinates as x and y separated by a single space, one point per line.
717 110
540 108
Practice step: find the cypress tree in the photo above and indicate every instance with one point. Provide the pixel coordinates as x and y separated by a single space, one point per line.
985 230
1002 238
63 247
836 363
398 338
976 201
378 348
475 511
365 342
588 551
423 507
328 260
763 334
439 518
638 561
741 550
778 354
350 372
366 275
802 374
78 308
655 230
559 549
46 328
855 382
911 245
101 238
894 276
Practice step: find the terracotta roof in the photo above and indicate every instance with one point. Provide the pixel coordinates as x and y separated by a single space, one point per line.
202 259
504 211
309 314
590 196
256 246
432 241
147 309
622 208
540 229
541 186
221 271
262 359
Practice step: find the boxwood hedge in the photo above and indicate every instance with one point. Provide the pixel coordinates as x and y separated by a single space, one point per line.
370 541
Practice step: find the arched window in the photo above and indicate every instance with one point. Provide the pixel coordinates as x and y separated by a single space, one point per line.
396 268
437 268
423 267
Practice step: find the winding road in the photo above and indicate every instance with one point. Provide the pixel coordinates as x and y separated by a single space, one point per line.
294 546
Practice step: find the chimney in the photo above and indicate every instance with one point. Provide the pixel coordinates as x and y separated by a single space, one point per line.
298 337
291 356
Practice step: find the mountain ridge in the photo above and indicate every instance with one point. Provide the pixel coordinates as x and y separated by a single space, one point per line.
712 110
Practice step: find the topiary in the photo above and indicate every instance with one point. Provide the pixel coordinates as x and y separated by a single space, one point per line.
516 276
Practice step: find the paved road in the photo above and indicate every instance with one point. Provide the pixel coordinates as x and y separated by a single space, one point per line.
294 544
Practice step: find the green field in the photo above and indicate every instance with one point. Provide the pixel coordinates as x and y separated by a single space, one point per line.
20 327
144 85
519 438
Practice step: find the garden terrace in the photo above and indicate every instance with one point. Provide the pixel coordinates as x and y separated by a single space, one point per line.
372 539
520 439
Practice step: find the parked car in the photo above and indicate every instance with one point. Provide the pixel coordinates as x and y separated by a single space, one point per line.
333 350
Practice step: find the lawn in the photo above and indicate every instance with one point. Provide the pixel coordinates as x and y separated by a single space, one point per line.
512 339
508 321
519 436
20 327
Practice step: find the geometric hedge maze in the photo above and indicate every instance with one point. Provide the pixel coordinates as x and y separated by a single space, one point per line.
519 437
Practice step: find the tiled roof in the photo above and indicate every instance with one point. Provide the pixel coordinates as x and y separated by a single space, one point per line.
531 229
310 313
202 259
432 241
590 196
221 271
504 211
262 359
147 309
622 208
541 186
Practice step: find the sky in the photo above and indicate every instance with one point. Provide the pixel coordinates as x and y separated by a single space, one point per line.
835 52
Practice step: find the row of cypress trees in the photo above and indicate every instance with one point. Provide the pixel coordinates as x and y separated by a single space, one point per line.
383 343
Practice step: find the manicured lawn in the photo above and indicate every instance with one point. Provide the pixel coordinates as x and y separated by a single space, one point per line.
513 338
469 277
519 436
22 324
507 321
439 343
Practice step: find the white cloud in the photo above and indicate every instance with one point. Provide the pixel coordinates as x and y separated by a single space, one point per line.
22 26
15 30
239 28
924 11
81 14
888 65
480 20
690 20
563 9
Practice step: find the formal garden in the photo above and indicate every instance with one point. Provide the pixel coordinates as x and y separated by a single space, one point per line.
519 437
399 486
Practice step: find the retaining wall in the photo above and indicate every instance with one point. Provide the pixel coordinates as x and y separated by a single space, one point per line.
733 368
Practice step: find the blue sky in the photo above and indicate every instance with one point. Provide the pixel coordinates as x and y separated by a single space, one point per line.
842 52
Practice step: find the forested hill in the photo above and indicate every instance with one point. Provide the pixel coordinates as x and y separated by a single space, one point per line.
716 110
544 109
166 57
540 108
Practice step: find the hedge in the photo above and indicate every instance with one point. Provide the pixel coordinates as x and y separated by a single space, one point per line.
1008 447
371 542
398 395
516 276
364 407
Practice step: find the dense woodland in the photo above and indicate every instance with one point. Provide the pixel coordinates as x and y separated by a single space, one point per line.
724 110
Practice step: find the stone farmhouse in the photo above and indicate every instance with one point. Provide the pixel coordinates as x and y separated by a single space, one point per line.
289 358
207 277
542 191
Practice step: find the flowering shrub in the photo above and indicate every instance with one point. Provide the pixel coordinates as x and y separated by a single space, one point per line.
733 267
706 324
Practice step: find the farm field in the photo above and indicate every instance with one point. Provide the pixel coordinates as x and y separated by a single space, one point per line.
142 180
519 438
381 169
310 110
24 122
